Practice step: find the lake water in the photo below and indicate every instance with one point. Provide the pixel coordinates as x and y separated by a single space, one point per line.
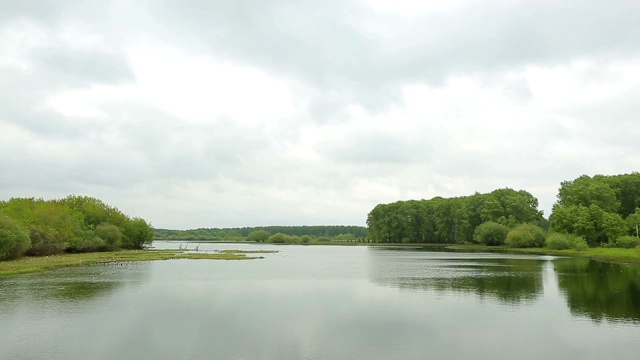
326 302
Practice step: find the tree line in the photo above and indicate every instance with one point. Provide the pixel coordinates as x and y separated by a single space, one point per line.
590 211
302 234
451 220
31 226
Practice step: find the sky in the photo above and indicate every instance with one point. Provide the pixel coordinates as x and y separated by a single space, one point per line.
204 114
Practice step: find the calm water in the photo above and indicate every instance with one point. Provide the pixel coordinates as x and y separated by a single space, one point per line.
326 303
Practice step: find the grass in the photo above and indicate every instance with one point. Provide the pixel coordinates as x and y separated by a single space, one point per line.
629 256
44 263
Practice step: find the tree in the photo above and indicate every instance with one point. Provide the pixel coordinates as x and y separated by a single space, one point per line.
14 239
586 191
258 236
138 233
279 238
633 223
110 234
491 233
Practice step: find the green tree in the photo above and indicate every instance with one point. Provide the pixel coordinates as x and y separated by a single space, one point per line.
279 238
14 239
491 233
586 191
138 233
110 234
258 236
633 223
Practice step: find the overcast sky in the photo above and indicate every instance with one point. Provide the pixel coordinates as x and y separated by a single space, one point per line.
244 113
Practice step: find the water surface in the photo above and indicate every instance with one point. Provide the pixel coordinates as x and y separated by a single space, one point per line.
326 302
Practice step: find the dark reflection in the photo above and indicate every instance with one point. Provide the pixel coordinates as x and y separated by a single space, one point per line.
508 280
83 290
600 290
74 284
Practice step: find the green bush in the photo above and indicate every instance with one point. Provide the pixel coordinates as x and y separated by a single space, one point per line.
490 233
526 235
44 242
558 241
110 234
627 242
279 238
580 244
258 236
14 239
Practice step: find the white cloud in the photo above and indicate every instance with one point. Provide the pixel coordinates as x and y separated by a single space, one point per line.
211 114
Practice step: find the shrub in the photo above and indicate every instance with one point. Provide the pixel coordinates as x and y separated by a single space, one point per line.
111 235
526 235
44 242
279 238
558 241
490 233
258 236
14 239
580 244
627 242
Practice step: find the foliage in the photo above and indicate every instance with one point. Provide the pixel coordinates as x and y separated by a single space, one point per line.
626 242
138 234
74 224
236 234
280 238
452 220
526 235
558 241
491 233
258 236
14 239
596 208
110 234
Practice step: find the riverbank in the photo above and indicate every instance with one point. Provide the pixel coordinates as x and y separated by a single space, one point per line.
627 256
43 263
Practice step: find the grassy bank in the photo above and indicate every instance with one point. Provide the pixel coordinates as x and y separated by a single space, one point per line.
628 256
37 264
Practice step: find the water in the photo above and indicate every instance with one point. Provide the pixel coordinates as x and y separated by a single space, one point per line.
326 302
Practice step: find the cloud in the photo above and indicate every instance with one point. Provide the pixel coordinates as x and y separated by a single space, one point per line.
208 114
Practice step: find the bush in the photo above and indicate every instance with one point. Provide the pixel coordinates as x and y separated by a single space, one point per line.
258 236
490 233
558 241
580 244
14 239
627 242
110 234
526 235
279 238
44 242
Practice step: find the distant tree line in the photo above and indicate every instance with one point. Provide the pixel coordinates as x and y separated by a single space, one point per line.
294 234
31 226
452 220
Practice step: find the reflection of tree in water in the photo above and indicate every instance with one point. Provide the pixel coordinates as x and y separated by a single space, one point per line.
74 284
509 281
600 290
82 290
508 288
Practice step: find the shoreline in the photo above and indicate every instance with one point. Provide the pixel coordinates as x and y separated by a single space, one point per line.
33 264
38 264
